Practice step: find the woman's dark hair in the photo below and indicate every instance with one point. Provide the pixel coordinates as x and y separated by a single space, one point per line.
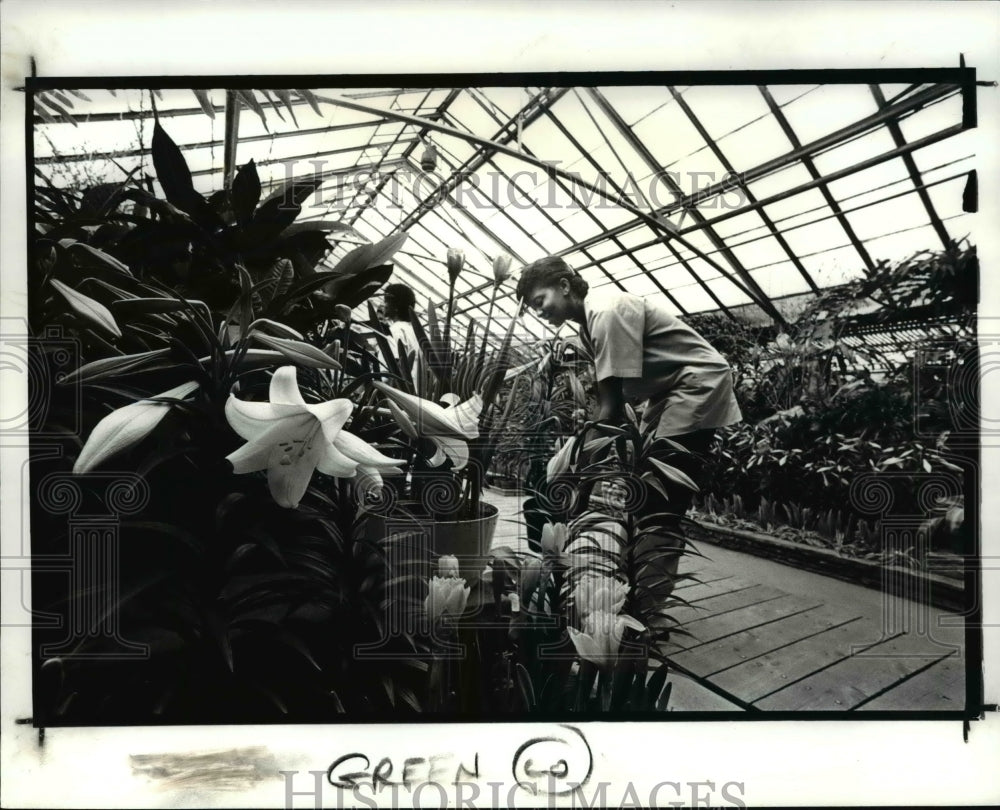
399 300
548 272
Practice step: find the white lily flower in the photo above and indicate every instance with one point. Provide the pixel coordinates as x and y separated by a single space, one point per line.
596 594
291 439
447 428
560 462
554 537
601 638
446 595
125 427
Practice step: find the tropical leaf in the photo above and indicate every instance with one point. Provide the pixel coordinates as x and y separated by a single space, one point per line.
285 97
366 256
205 102
355 289
245 193
175 178
248 98
310 97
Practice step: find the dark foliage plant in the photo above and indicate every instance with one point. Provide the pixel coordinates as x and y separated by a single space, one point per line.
246 611
823 409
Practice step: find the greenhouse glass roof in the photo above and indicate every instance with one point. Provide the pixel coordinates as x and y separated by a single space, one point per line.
715 196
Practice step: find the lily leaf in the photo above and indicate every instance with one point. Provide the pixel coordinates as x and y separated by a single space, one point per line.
110 366
675 475
127 426
298 351
100 256
87 308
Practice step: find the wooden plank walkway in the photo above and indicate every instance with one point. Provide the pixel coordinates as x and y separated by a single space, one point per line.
781 639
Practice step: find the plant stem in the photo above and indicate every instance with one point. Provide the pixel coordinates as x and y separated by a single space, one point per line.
486 331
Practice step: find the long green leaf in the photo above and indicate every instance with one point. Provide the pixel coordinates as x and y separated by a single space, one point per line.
286 98
305 354
310 97
322 225
353 290
675 475
87 308
171 169
527 688
100 256
111 366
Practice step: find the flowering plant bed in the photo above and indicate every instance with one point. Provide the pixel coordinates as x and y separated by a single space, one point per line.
946 592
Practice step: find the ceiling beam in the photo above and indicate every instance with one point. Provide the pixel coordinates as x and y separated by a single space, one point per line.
654 166
438 113
917 100
721 157
422 282
184 147
566 133
914 172
568 190
961 175
491 147
815 173
488 148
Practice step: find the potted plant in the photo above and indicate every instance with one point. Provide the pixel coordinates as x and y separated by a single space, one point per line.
448 435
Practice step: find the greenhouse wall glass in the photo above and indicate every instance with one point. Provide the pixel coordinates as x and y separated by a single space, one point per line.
616 397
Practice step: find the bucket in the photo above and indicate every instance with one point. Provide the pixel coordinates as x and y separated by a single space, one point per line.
428 539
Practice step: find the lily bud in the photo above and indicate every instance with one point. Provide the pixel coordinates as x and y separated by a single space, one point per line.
342 313
501 269
456 261
554 537
448 565
600 639
125 427
560 462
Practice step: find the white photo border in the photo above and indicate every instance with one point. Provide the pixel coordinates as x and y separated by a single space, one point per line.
774 763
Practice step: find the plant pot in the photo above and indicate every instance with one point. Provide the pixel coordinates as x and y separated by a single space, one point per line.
428 539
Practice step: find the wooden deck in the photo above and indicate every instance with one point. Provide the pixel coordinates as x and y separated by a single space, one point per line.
776 638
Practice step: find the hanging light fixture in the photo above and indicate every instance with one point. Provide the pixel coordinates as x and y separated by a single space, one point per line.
428 160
